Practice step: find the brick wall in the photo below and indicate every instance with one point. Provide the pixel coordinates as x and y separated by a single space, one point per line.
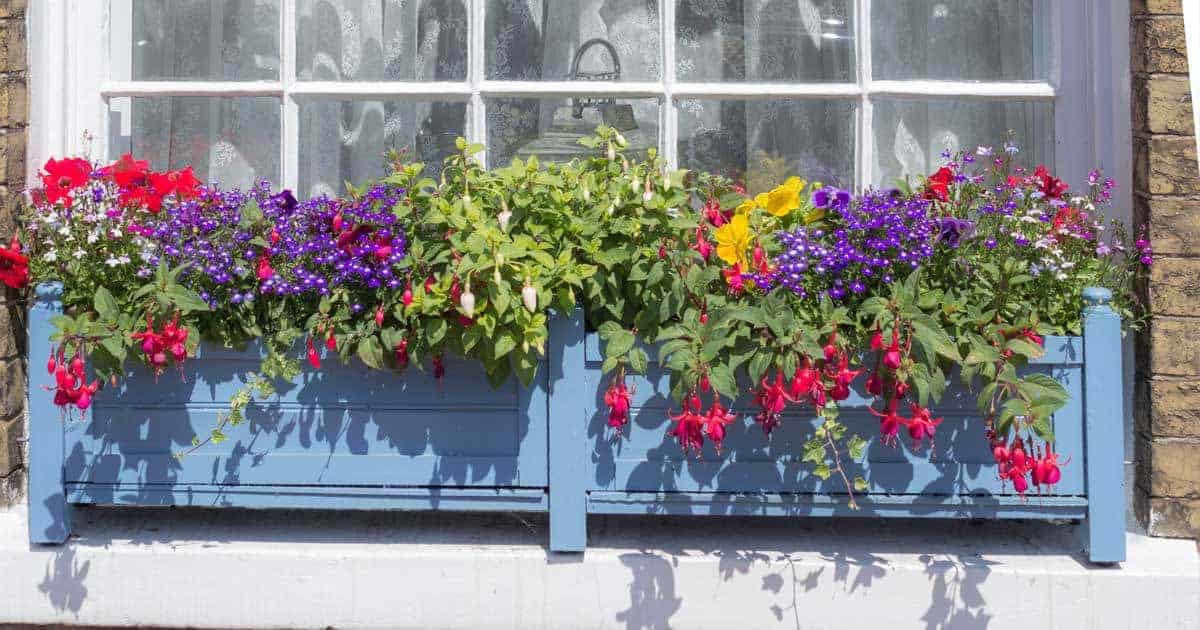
1167 202
14 117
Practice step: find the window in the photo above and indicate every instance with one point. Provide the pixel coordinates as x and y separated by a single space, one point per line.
310 93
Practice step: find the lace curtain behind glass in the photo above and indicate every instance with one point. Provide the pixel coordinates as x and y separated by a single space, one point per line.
376 40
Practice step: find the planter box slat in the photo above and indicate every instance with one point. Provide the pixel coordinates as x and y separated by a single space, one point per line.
312 497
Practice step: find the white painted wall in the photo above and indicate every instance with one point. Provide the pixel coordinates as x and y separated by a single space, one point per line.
1191 19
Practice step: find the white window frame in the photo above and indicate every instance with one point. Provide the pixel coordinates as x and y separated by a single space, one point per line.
70 60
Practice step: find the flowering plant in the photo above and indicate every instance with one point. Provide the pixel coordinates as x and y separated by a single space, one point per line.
793 296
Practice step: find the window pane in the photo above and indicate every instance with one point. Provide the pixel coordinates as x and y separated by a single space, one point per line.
372 40
345 141
547 128
764 40
983 40
535 40
198 40
764 142
910 136
231 141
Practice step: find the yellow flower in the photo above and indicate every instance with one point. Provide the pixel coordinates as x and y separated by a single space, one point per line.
732 240
746 207
785 199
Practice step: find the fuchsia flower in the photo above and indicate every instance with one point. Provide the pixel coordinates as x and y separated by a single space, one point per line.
402 354
702 245
156 345
803 380
733 276
70 383
922 425
619 400
892 358
1046 471
690 428
715 421
265 271
890 422
313 358
772 399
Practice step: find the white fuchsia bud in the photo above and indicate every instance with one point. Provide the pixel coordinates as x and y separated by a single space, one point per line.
612 151
467 302
529 296
504 217
587 193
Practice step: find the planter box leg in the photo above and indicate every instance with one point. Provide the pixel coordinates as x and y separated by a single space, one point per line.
49 511
1104 430
569 391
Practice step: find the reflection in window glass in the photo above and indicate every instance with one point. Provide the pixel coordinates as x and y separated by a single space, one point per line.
534 40
548 128
981 40
910 136
346 141
231 141
762 142
370 40
234 40
764 40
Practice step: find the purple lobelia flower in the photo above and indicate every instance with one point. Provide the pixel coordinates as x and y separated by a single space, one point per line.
881 236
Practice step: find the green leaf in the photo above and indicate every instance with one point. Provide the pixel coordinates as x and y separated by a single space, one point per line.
620 343
370 352
105 305
1025 348
722 381
758 366
935 340
505 343
185 299
638 360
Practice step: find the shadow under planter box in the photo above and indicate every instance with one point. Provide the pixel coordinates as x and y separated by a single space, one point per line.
348 437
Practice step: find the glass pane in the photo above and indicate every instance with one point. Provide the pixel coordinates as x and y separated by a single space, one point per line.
373 40
199 40
534 40
762 143
548 128
911 136
982 40
230 141
764 40
345 141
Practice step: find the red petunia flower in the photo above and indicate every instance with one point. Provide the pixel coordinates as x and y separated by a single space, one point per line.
937 186
14 266
181 183
128 172
143 197
1050 185
60 177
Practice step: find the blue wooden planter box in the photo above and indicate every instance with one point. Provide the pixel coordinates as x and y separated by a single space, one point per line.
347 437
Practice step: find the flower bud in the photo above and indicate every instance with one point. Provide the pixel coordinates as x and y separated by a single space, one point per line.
529 296
467 302
504 217
612 151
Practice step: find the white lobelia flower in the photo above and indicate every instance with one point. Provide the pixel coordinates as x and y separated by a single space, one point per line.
79 253
50 256
92 237
112 262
